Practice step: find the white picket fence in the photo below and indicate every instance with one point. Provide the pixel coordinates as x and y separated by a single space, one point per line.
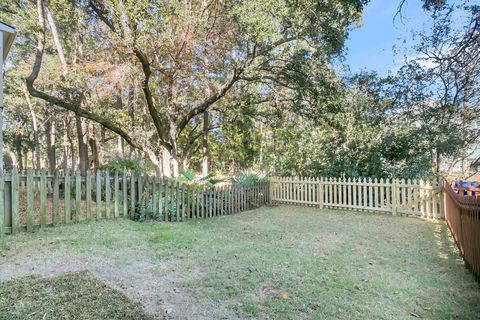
418 198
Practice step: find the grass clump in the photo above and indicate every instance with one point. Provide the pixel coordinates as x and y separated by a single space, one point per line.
76 295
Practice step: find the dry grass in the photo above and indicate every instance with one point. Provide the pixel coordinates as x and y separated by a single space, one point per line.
70 296
270 263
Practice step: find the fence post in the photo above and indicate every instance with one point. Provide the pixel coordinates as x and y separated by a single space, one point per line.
107 195
78 195
132 194
394 197
98 186
125 193
43 197
15 201
270 191
88 195
6 195
115 195
320 192
442 197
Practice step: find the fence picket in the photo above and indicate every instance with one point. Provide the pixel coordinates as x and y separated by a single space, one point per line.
68 212
154 196
78 195
15 201
88 195
160 199
108 211
115 195
125 193
43 198
98 187
177 201
132 194
167 190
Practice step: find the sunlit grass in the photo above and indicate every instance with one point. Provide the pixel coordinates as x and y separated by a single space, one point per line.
288 262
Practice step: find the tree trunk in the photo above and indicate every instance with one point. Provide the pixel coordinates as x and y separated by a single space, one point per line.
18 149
185 163
56 40
33 118
94 143
72 151
93 146
83 164
175 167
120 146
205 144
65 142
50 133
167 172
25 158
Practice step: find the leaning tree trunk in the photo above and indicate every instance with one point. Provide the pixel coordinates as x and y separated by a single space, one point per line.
36 139
205 144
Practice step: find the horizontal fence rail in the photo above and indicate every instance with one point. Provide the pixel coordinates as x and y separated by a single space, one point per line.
462 213
418 198
38 199
467 188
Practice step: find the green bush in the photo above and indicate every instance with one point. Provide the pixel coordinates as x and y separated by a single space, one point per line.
250 176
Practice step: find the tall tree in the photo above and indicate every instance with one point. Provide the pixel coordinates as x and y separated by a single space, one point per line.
261 41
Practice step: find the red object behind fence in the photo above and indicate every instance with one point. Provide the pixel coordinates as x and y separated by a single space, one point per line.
462 213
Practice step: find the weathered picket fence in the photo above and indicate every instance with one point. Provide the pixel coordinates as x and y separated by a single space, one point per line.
462 213
38 199
418 198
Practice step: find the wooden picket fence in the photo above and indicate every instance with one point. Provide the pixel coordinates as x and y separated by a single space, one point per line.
469 189
462 213
418 198
37 199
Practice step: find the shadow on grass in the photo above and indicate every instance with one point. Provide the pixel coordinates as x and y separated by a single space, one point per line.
76 295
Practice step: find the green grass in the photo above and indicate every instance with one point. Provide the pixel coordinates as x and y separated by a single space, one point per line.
287 262
70 296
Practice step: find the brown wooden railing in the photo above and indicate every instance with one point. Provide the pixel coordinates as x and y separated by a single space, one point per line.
462 213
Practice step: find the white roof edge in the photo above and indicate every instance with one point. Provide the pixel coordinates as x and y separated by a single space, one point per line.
7 28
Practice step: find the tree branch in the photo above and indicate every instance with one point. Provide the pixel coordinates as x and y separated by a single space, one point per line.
159 126
71 106
202 107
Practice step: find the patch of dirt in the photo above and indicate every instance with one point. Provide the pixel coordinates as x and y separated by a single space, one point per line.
157 286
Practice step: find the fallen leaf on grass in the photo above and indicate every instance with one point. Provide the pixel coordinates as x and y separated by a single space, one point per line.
284 297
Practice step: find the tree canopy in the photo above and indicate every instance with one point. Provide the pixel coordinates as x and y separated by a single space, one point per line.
168 85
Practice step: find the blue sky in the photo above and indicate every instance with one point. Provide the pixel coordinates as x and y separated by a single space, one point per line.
370 46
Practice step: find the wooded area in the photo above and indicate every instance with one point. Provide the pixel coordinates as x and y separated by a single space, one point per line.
221 86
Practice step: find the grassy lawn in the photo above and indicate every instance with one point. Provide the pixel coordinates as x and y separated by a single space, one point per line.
270 263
